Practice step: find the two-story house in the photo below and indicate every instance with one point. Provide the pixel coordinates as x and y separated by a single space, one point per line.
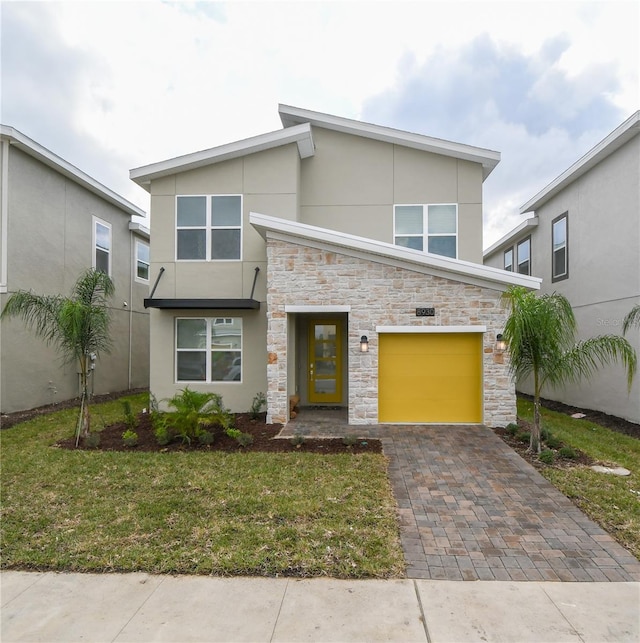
583 240
335 261
56 222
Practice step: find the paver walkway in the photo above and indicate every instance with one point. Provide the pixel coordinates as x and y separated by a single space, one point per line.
471 508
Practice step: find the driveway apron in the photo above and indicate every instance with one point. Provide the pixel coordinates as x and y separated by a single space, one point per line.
471 508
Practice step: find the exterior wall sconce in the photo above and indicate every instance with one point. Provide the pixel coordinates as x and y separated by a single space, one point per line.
501 345
364 344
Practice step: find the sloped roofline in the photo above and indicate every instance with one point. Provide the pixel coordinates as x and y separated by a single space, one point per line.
300 135
621 135
510 237
291 116
456 269
48 158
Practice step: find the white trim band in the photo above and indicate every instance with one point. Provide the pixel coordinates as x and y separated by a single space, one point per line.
316 309
431 329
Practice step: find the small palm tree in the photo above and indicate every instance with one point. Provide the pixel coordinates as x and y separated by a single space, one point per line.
540 333
78 326
631 320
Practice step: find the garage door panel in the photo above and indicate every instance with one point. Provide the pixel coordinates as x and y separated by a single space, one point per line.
434 378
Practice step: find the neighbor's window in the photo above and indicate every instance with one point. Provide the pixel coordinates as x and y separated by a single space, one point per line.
560 248
208 349
142 261
209 228
508 260
102 245
524 256
429 228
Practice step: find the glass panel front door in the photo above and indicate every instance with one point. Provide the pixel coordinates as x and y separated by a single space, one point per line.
325 369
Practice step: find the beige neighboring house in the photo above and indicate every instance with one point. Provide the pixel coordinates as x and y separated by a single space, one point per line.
333 261
583 240
55 222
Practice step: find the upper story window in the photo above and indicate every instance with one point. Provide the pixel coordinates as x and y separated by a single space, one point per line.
209 228
142 261
524 256
101 245
430 228
560 247
508 260
208 349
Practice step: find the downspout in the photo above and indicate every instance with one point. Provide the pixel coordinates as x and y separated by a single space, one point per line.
155 285
4 217
255 278
132 264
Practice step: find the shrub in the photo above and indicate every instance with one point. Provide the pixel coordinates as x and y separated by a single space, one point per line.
162 434
259 401
245 439
298 440
205 437
349 440
545 434
512 428
523 436
129 416
568 453
193 410
547 456
553 442
92 440
130 438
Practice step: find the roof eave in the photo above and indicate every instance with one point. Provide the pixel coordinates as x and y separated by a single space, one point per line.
510 237
606 147
48 158
292 116
464 270
300 135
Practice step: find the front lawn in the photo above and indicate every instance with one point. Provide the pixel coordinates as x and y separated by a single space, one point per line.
201 512
611 501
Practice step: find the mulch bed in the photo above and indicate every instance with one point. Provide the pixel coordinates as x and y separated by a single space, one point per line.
263 434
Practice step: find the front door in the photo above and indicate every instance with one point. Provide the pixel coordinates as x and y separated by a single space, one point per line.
325 363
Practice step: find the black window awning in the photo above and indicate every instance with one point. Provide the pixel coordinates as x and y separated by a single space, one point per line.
203 304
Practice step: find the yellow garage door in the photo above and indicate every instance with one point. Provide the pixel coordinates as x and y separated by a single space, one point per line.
430 377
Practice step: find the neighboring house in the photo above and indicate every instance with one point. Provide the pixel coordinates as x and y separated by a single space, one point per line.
584 242
56 222
335 261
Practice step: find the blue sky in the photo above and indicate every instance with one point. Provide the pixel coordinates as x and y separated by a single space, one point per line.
109 86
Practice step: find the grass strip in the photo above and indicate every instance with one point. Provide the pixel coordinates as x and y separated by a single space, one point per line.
611 501
261 514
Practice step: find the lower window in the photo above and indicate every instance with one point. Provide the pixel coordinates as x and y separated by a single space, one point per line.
208 349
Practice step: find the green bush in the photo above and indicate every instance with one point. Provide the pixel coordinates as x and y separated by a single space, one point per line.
194 410
298 440
259 401
553 443
162 435
92 440
523 436
512 428
567 453
545 435
205 437
350 440
129 416
547 456
130 438
245 439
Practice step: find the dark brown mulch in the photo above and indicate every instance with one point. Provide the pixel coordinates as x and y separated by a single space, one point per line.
609 421
263 440
522 449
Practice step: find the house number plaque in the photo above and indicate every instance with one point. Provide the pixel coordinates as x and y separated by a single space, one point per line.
425 312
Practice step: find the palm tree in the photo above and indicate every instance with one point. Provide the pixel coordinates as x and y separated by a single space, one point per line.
540 333
78 326
632 319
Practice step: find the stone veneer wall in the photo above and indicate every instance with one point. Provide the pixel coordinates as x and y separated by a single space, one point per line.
379 295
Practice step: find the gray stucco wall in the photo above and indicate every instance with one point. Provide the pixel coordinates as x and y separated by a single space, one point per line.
49 245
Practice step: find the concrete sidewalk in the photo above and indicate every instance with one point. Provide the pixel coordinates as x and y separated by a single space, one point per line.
139 607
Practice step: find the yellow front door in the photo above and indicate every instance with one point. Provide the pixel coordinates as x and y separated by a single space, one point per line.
430 378
325 361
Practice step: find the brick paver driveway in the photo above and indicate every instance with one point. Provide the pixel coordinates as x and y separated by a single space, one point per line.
472 509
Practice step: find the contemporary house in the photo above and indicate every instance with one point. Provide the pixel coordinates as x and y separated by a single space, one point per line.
583 240
55 222
334 262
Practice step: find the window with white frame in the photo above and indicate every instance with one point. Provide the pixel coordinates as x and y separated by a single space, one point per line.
208 349
430 228
142 261
524 256
508 260
560 247
101 245
209 227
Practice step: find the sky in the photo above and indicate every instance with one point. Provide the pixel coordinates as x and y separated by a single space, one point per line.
110 86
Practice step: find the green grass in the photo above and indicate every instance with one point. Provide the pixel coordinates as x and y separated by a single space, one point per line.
611 501
197 513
